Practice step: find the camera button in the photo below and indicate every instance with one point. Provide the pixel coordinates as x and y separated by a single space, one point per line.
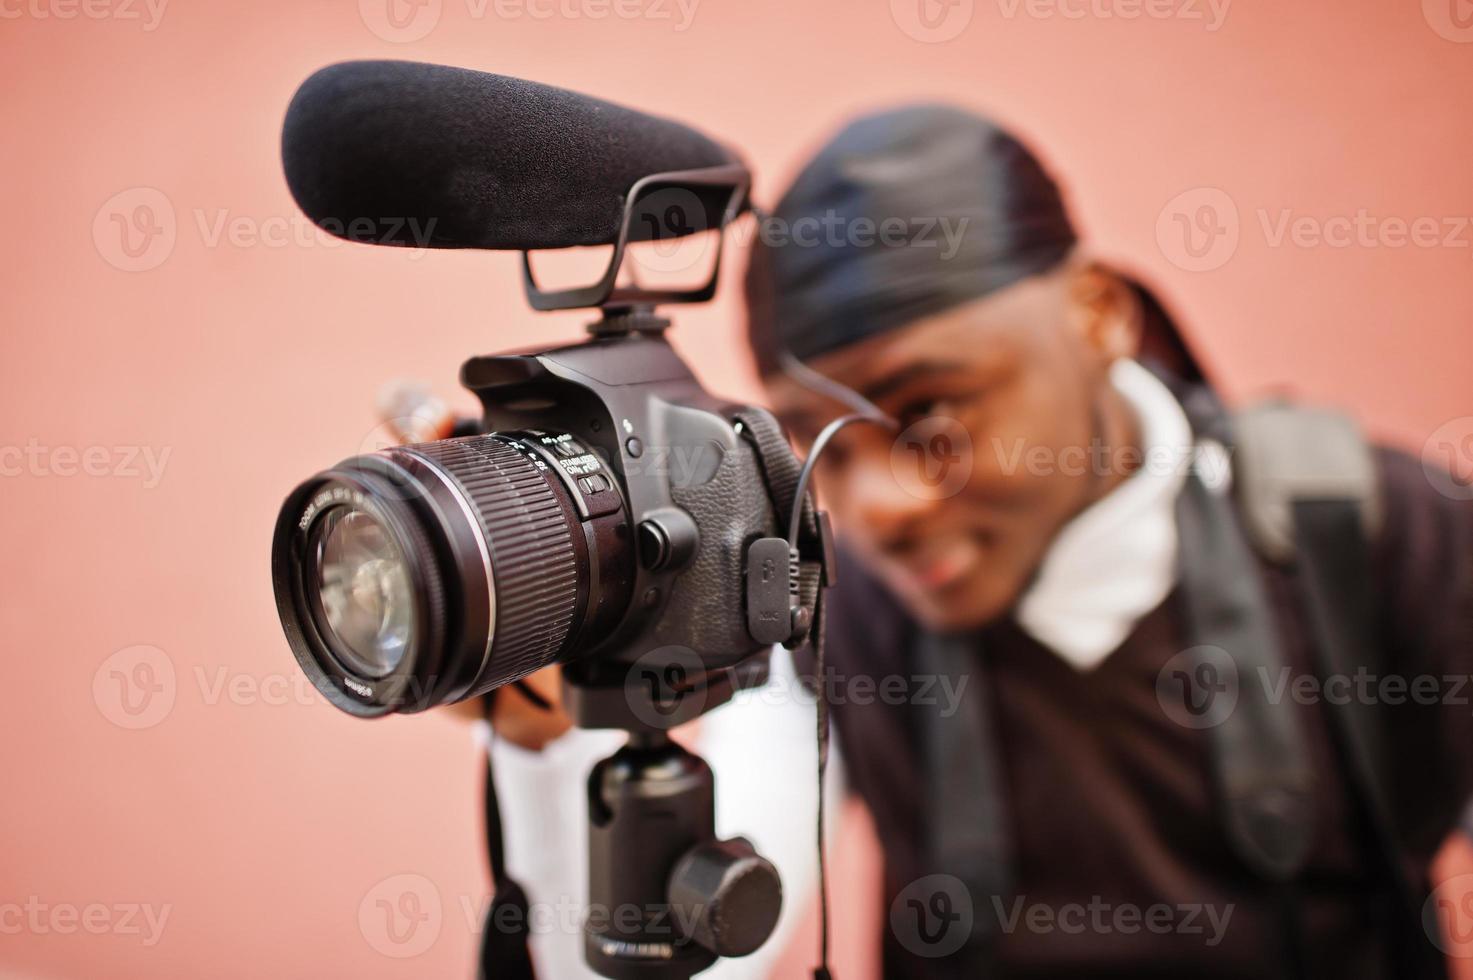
654 545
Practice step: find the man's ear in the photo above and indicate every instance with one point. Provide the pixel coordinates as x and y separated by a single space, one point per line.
1105 311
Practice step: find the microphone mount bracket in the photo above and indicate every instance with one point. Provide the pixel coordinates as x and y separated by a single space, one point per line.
721 191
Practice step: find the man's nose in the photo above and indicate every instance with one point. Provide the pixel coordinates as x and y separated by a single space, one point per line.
890 511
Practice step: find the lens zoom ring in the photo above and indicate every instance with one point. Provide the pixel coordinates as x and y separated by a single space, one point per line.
532 558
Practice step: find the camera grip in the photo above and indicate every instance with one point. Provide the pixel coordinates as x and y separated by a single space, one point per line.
706 609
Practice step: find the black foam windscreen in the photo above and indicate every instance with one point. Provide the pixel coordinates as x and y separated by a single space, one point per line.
402 153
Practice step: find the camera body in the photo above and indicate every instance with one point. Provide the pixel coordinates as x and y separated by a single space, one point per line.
695 496
604 518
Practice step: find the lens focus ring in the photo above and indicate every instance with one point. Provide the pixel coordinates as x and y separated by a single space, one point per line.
529 533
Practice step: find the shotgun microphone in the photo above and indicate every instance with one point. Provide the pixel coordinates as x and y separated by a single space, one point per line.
402 153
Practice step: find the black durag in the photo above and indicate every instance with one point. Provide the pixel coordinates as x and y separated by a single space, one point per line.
904 214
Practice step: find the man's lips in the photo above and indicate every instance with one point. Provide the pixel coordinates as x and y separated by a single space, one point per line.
942 566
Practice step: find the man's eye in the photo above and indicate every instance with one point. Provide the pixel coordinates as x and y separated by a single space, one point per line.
920 410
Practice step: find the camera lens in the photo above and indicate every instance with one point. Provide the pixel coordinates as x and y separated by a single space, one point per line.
362 590
432 573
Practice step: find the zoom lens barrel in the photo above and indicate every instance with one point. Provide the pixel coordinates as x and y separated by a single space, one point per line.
431 573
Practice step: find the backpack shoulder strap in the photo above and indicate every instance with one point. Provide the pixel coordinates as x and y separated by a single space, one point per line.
1284 453
1307 487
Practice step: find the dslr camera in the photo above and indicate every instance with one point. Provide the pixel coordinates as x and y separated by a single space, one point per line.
556 529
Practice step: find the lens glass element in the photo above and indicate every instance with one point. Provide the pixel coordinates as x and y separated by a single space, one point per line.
363 590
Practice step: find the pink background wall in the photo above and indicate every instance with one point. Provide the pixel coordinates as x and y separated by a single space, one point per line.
263 818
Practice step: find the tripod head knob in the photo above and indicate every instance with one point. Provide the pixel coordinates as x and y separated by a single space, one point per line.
730 896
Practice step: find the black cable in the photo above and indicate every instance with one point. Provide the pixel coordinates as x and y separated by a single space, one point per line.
824 385
828 433
821 972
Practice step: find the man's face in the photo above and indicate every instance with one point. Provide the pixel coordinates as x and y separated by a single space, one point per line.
1001 400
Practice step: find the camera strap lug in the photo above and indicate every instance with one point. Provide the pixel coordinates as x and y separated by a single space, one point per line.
802 572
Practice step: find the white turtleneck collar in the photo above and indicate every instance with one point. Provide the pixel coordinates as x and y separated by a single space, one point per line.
1117 559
